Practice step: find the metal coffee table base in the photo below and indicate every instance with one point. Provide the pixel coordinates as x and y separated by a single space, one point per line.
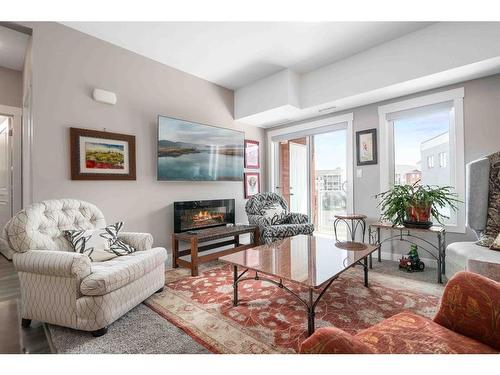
310 303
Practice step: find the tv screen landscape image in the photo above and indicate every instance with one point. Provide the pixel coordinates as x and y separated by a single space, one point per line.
188 151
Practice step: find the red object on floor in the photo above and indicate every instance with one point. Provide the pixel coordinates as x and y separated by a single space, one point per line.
467 322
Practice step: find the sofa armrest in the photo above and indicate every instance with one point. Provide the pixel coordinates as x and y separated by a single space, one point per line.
53 263
333 340
470 305
141 241
296 218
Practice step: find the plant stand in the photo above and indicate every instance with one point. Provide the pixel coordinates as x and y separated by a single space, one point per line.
410 235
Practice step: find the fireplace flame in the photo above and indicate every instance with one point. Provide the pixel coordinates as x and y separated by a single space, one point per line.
206 215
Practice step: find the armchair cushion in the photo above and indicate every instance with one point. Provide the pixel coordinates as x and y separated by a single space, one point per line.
53 263
99 244
274 214
120 271
470 305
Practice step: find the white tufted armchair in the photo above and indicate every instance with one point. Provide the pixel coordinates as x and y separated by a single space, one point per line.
65 288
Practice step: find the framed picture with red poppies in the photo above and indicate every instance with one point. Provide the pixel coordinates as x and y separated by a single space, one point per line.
100 155
252 154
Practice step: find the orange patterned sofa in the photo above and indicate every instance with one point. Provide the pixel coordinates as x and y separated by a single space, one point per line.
468 321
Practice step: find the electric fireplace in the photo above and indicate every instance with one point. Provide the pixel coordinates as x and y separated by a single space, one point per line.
192 215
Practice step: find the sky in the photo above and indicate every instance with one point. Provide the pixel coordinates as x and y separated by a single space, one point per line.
409 133
330 150
184 131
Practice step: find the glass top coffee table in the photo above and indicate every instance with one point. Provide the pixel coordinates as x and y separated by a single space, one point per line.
313 262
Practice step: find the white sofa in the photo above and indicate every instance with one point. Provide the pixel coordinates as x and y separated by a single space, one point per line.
467 255
61 287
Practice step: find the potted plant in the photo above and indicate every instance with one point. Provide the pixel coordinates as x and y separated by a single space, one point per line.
414 205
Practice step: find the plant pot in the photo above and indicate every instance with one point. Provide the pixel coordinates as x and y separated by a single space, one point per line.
418 217
418 213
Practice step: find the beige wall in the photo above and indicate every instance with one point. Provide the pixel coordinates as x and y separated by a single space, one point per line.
67 65
11 87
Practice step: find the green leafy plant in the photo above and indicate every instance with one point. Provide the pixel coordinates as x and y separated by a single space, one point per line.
416 203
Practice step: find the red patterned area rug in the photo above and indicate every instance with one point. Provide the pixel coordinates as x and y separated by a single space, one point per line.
270 320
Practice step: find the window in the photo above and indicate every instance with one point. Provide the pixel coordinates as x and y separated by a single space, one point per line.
430 161
442 160
422 142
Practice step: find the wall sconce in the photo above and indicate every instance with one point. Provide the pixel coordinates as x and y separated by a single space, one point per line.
103 96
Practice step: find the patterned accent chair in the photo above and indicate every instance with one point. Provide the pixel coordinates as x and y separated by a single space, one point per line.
291 224
62 287
467 322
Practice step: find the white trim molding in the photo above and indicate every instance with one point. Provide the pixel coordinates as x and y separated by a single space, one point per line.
456 96
16 155
302 129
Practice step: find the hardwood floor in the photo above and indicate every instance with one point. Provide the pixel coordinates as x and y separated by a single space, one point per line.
33 338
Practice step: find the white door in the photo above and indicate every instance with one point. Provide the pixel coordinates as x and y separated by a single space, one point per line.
5 170
298 178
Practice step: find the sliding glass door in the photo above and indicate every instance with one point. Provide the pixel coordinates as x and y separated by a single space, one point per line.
328 172
312 174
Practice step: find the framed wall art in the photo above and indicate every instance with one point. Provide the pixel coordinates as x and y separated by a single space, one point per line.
252 154
366 147
100 155
252 184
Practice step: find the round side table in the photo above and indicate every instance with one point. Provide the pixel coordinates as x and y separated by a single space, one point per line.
352 222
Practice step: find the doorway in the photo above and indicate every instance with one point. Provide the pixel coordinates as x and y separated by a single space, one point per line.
10 163
293 172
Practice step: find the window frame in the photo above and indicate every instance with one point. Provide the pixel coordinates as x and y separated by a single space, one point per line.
443 160
456 158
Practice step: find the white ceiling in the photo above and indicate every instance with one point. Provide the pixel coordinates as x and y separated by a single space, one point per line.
234 54
12 48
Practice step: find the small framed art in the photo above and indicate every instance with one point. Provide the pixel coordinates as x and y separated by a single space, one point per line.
252 184
366 147
252 154
99 155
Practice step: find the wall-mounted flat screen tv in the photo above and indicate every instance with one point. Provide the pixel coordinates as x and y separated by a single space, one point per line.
188 151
